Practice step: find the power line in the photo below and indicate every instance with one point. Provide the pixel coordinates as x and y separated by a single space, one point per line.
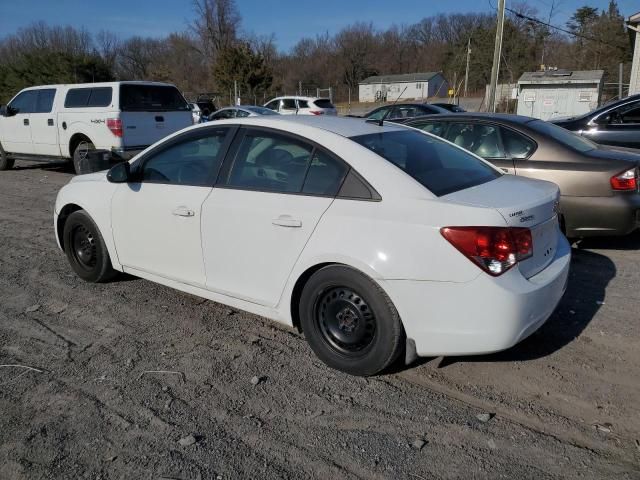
541 22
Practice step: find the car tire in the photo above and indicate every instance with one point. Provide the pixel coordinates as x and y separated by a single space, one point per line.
349 321
85 248
6 163
80 152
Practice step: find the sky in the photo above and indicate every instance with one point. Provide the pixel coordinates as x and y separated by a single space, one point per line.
289 20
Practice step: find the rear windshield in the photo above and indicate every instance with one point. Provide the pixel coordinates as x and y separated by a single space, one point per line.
323 103
567 138
151 98
437 165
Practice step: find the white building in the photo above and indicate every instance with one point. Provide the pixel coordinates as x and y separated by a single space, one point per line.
634 26
416 86
559 93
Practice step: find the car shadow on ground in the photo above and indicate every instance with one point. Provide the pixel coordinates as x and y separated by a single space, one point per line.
627 242
588 279
62 166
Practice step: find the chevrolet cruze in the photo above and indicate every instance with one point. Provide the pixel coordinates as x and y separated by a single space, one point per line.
376 241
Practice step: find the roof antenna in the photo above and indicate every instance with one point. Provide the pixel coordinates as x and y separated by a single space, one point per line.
382 119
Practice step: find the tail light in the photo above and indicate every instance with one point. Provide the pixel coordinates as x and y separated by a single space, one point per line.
627 180
317 112
494 249
115 125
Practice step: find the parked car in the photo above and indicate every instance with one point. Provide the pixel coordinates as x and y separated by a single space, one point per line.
617 123
451 107
373 240
68 121
599 185
403 111
296 105
241 112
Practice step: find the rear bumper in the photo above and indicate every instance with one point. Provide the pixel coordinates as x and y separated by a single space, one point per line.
484 315
618 214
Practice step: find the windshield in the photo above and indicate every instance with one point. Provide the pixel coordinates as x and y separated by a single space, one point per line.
262 110
567 138
437 165
151 98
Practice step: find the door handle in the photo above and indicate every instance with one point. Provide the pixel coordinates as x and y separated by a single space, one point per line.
25 121
183 212
286 221
50 122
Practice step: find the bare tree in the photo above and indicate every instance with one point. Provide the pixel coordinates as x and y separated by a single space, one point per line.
217 23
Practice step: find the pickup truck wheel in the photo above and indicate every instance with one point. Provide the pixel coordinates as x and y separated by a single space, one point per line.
80 153
6 163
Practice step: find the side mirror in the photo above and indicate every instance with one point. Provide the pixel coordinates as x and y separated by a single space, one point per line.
3 110
120 173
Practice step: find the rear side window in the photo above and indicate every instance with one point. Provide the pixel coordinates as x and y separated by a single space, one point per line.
151 98
325 175
479 138
516 145
303 104
288 104
323 103
88 97
270 162
438 166
44 104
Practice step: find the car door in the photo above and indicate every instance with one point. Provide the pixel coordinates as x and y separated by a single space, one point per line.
156 219
44 130
618 127
16 125
484 140
271 194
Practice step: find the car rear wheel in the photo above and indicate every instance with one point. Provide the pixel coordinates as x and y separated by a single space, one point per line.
85 248
349 321
80 153
6 163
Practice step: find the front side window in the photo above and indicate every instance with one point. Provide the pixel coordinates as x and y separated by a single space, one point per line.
191 162
44 104
271 162
438 166
481 139
24 102
516 145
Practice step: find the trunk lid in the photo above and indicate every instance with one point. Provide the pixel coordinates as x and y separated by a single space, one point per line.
522 203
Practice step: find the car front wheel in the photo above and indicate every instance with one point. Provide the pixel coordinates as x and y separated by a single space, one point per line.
6 163
85 248
349 321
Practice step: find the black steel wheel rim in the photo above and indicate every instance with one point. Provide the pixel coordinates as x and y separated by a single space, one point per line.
83 246
345 320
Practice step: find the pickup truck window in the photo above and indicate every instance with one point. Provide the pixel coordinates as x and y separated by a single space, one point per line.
24 102
151 98
44 104
88 97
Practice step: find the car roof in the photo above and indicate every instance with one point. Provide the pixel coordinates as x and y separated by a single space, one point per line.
343 126
100 84
298 97
497 117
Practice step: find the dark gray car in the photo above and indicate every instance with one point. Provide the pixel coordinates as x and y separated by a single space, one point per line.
615 124
599 185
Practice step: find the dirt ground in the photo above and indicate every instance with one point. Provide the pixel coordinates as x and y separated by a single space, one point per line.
563 404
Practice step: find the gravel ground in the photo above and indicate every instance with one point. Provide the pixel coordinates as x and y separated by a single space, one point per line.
139 381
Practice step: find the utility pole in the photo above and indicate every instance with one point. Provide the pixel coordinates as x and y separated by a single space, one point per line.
235 92
620 75
466 72
497 53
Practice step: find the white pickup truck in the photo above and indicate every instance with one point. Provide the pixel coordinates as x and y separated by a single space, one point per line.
67 121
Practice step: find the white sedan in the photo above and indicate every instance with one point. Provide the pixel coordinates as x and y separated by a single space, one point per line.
375 241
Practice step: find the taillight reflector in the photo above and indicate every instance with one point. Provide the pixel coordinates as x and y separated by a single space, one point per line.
494 249
115 125
627 180
317 112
